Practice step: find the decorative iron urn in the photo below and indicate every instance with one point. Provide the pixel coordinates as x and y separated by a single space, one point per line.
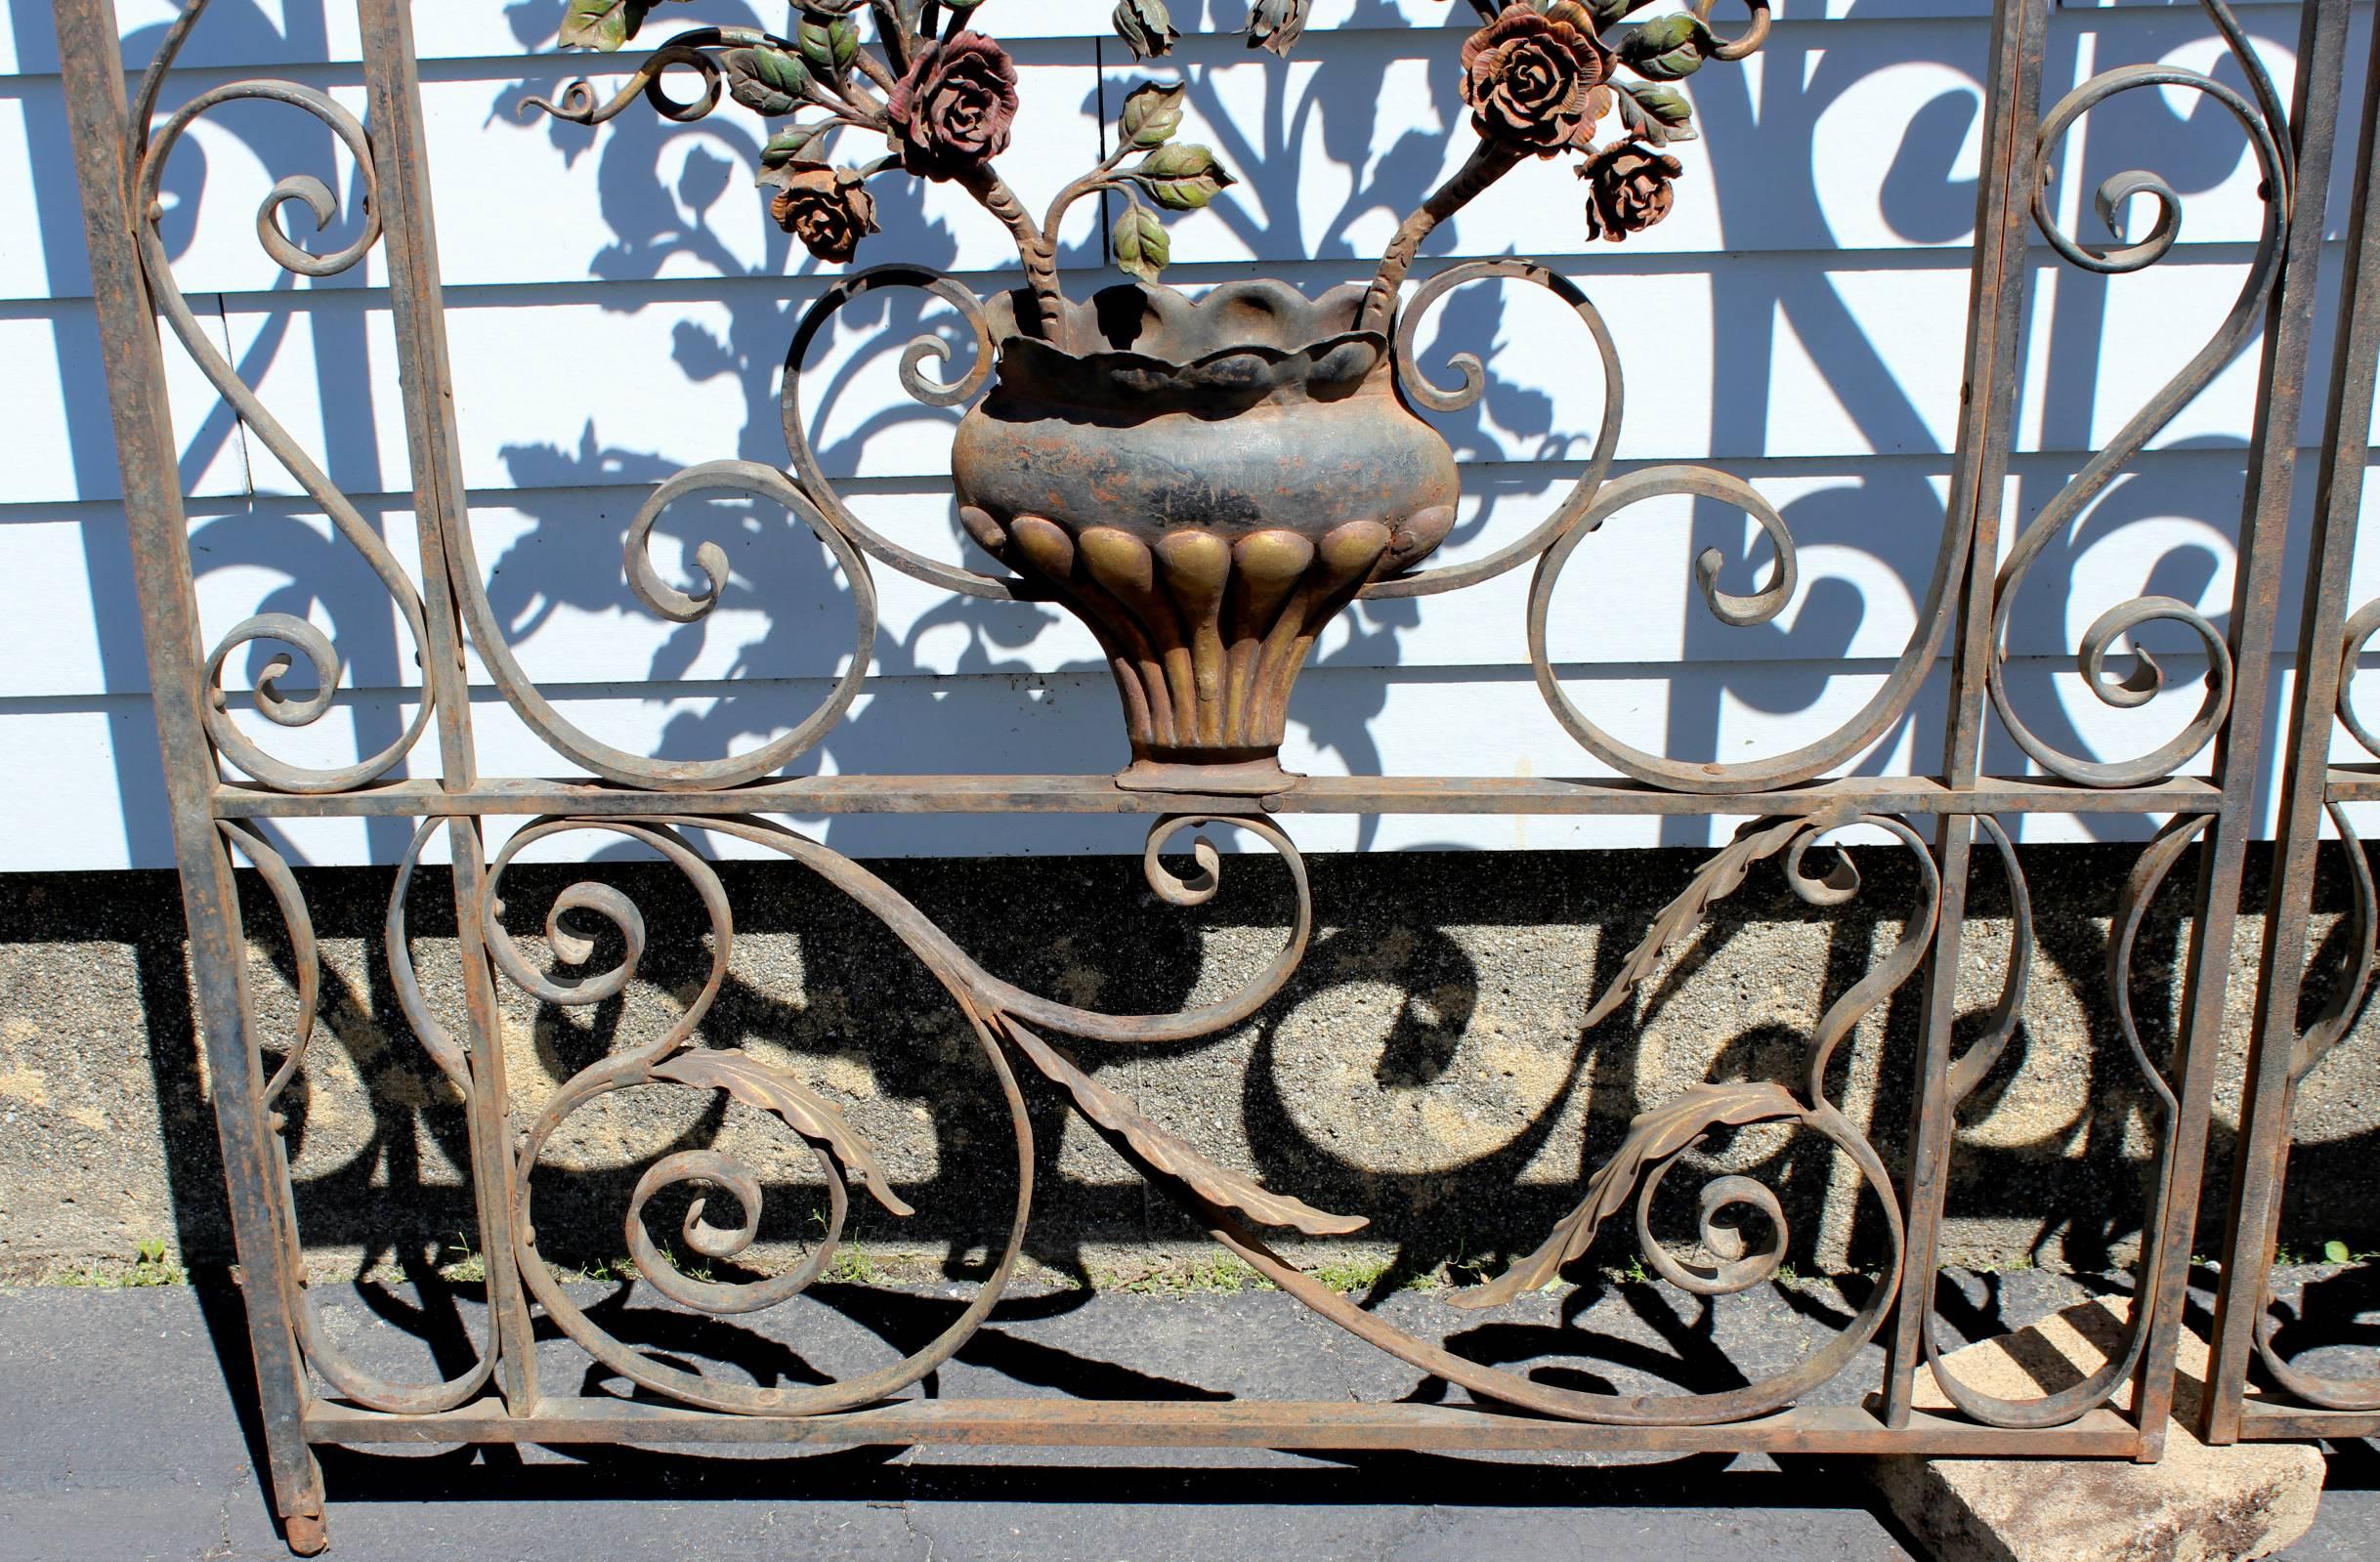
1205 483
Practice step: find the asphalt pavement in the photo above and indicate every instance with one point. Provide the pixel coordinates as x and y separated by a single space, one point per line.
122 1437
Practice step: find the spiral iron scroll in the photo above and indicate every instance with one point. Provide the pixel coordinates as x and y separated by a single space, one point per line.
1418 386
2266 124
2141 886
813 478
1007 1024
2351 986
1659 1138
996 1011
520 692
156 146
1968 1071
321 1353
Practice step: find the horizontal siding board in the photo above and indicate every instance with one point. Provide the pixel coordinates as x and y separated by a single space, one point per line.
98 758
620 303
286 31
1848 139
1867 533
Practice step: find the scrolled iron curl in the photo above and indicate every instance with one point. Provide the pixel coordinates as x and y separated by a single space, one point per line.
2141 886
992 1007
1753 1400
2352 985
736 1178
990 994
1737 611
2266 124
1424 392
1834 886
1169 886
1207 1018
641 1063
617 764
621 912
932 392
321 1353
1739 1269
580 104
309 642
303 190
1736 1270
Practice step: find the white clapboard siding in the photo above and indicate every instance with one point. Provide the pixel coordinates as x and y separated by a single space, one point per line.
619 306
551 556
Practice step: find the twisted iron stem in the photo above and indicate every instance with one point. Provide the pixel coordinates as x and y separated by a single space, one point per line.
1489 161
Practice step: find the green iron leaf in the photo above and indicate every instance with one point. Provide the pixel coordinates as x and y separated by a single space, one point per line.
1142 247
1182 177
1151 113
768 81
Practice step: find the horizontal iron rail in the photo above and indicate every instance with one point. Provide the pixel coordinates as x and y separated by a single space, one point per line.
2268 1421
2352 785
1318 794
1238 1423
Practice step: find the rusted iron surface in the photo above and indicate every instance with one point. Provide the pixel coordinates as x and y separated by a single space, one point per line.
1204 484
2259 1389
1313 794
1207 482
1175 1423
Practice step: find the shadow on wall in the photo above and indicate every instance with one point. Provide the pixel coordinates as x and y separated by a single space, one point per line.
676 202
666 211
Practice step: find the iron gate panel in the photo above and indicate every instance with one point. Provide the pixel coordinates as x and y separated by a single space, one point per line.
1201 757
2257 1391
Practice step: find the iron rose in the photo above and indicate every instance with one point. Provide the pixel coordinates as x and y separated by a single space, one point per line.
953 111
1530 79
1629 190
827 208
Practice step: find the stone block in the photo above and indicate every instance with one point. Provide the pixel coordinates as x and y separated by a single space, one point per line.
2198 1505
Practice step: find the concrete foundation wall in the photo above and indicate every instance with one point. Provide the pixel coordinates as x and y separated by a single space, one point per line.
1427 1066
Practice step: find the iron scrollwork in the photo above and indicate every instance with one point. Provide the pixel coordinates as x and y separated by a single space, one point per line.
1316 483
155 147
997 1015
2265 124
1206 483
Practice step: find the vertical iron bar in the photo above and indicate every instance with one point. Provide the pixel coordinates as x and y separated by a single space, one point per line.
2262 1158
416 300
2255 604
1995 340
91 64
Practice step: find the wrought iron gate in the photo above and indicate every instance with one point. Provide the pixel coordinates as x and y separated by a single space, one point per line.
2257 1388
221 782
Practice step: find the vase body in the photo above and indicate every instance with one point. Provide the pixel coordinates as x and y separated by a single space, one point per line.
1206 483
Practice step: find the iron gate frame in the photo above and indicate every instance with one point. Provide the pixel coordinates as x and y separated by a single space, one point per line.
2254 1394
210 810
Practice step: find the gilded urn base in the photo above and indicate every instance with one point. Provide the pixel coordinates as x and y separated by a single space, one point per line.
1205 484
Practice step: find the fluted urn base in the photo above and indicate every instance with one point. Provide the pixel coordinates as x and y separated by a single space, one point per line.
1205 484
